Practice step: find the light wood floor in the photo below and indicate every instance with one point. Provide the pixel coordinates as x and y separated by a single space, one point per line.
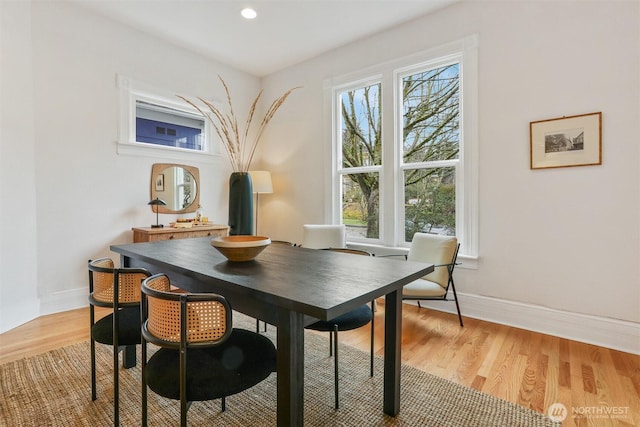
527 368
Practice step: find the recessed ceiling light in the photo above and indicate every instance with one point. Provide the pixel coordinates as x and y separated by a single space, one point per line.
248 13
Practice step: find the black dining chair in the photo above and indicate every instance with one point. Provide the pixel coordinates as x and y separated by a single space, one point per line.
354 319
201 356
118 289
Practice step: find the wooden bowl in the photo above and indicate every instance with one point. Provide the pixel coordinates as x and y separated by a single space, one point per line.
240 248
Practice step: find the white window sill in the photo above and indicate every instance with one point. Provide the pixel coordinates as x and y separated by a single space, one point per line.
169 153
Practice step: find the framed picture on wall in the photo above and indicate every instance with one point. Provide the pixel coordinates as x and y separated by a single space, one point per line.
566 141
160 182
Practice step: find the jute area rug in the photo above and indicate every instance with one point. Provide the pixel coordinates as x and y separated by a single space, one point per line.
54 389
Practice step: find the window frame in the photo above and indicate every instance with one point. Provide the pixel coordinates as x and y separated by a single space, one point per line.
131 92
340 170
398 76
390 74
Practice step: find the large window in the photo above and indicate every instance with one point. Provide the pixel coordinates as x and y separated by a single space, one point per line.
361 160
430 149
404 149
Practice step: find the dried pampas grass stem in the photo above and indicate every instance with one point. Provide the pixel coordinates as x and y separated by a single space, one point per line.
240 147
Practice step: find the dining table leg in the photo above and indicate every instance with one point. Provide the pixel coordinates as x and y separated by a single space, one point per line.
392 352
290 366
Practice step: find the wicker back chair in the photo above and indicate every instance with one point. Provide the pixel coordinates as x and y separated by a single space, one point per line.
201 356
118 289
354 319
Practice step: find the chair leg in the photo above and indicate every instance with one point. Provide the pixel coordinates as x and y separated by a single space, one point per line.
455 297
258 326
183 388
335 364
419 306
116 388
183 414
224 403
373 319
330 343
129 356
94 395
143 366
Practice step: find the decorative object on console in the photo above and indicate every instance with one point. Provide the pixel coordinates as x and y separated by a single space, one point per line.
235 141
240 146
240 204
155 203
200 215
240 248
261 182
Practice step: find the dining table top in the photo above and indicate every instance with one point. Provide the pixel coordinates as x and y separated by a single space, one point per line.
321 284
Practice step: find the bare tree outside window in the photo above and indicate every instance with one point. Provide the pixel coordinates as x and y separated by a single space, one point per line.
430 150
361 146
431 120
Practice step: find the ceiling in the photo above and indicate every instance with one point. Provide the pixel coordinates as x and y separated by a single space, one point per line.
284 33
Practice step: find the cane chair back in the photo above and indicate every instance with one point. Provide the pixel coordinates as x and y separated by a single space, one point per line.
196 337
103 286
208 316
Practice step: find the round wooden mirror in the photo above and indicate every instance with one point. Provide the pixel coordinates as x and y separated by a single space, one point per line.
177 185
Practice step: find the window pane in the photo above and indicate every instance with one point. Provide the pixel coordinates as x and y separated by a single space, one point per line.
430 201
159 125
360 128
361 205
431 115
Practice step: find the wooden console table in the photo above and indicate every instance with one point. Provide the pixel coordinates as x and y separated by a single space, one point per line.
148 234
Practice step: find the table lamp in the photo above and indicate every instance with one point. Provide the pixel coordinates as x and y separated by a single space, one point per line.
261 183
157 202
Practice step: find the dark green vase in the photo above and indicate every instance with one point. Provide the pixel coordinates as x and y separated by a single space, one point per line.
240 204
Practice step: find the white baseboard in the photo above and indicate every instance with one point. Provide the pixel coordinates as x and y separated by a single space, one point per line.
602 331
64 301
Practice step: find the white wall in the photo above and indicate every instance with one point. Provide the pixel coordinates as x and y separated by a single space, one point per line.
556 245
66 193
18 244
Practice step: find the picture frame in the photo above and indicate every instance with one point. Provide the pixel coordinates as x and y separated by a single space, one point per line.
160 182
566 141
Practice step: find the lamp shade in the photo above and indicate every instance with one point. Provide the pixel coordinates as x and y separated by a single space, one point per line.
157 202
261 181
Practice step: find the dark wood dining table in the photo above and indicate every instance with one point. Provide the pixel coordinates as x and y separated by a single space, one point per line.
290 287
